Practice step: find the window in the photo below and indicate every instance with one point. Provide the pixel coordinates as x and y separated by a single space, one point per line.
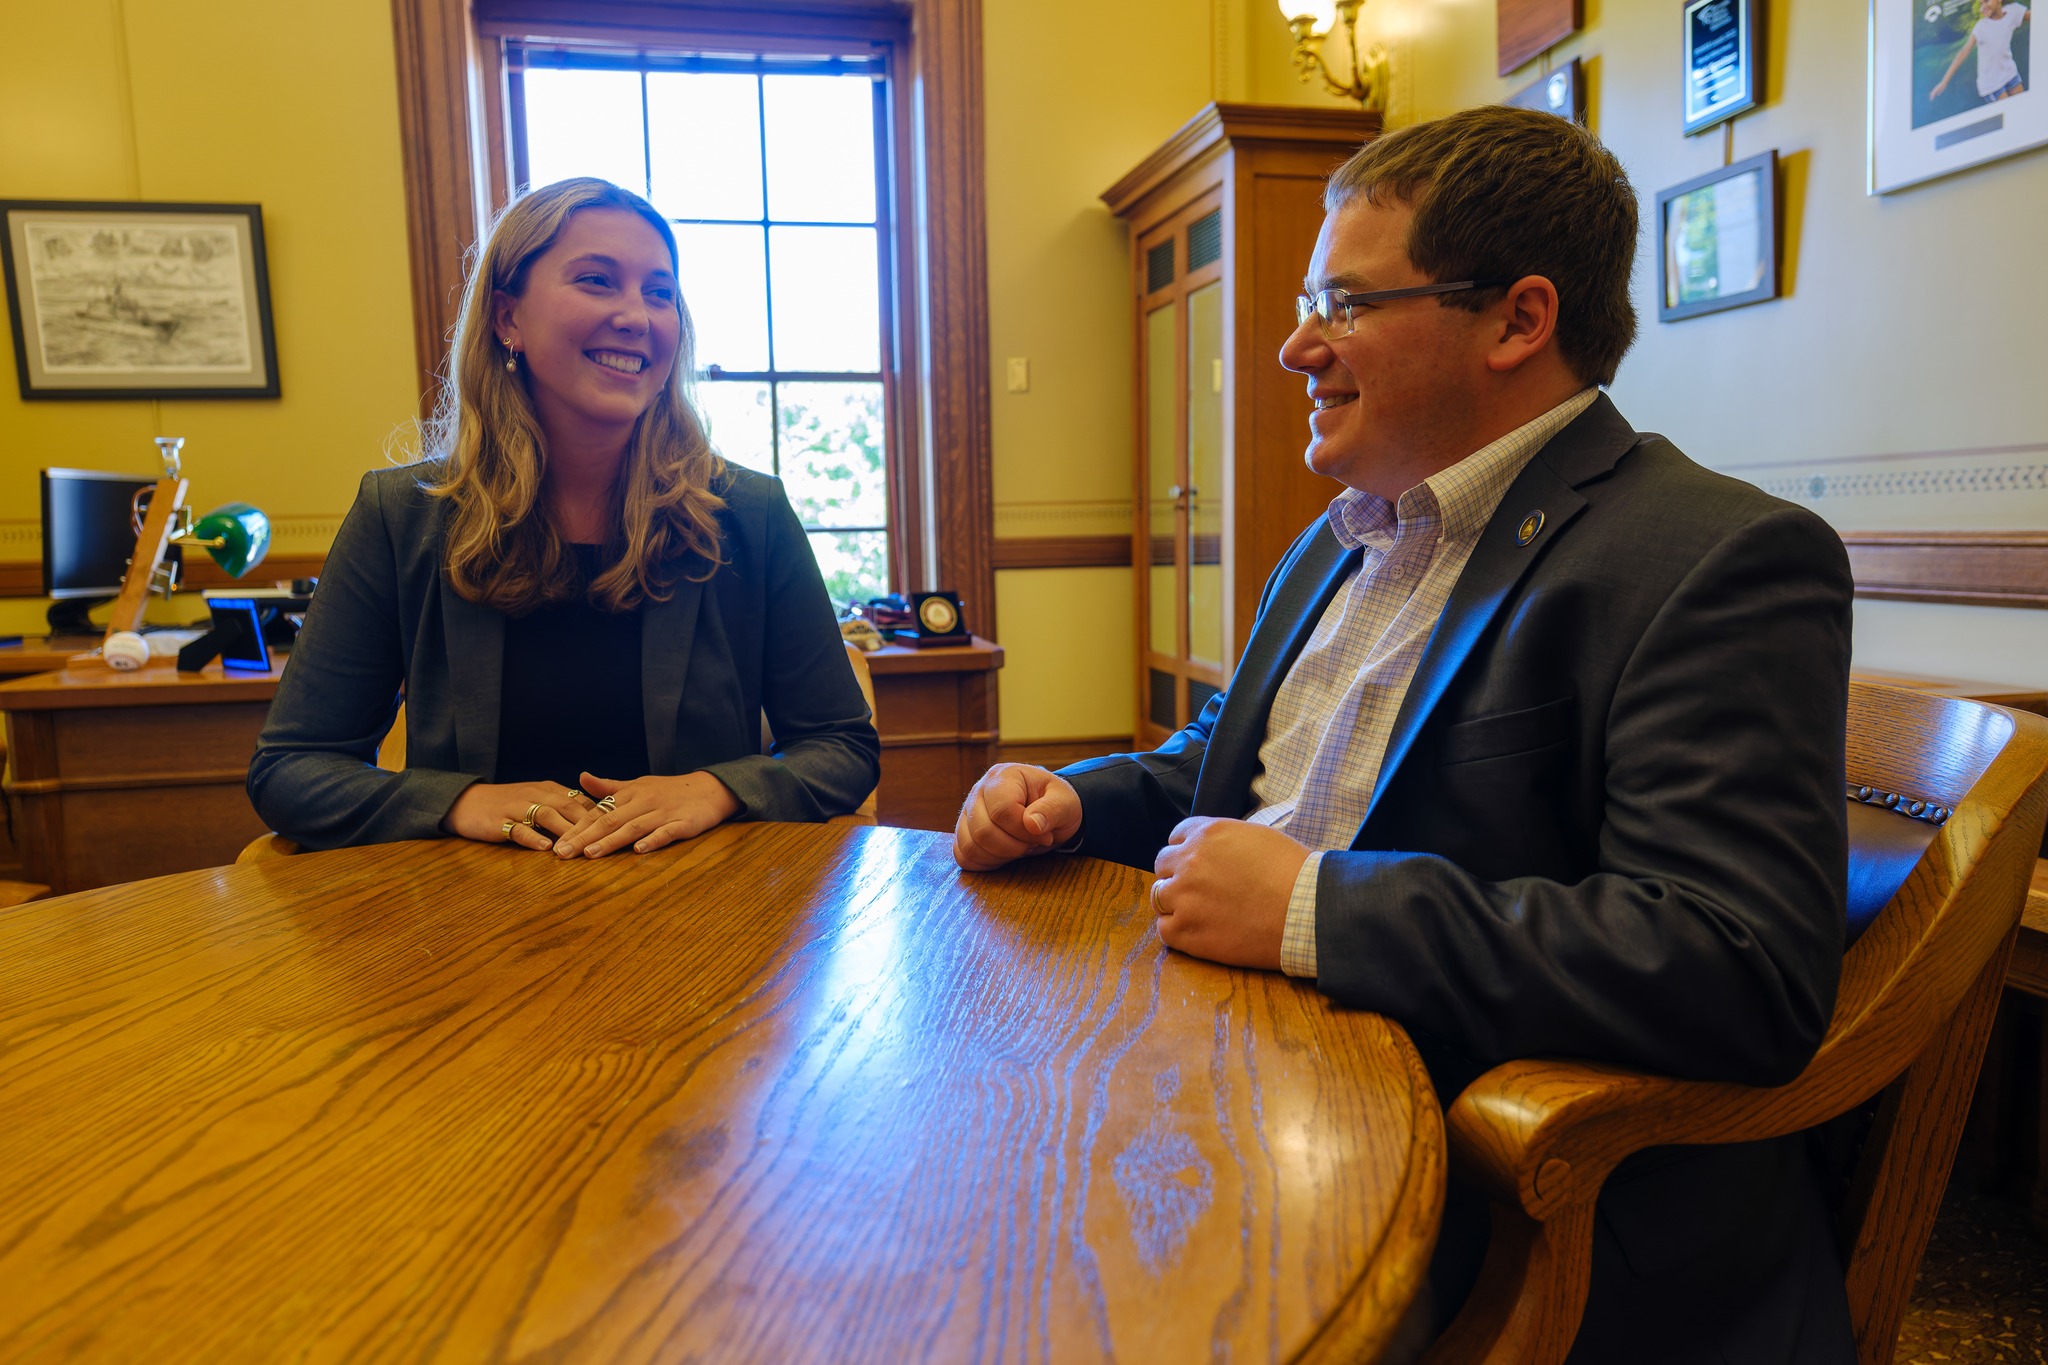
771 169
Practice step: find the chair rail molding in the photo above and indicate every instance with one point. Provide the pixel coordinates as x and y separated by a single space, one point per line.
1972 568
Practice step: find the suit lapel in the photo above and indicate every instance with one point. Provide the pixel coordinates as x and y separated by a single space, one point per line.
1590 446
475 638
667 630
1301 597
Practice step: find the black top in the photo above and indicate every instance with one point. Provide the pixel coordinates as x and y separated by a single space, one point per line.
557 723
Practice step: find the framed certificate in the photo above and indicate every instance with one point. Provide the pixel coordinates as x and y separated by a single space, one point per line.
1951 86
1721 48
1717 238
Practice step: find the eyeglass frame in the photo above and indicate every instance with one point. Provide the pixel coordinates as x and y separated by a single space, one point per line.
1306 305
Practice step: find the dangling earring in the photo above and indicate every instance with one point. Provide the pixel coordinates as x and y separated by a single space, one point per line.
511 357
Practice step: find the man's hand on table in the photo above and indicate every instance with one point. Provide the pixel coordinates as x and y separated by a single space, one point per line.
1015 811
1223 890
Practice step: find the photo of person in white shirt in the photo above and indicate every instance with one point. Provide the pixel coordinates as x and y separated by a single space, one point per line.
1998 75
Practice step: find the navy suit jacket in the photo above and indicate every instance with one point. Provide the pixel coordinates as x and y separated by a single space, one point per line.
757 637
1609 825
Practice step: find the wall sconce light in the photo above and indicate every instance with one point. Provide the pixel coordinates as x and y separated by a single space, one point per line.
1313 20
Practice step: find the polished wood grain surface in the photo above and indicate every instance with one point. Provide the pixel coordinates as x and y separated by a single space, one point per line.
783 1093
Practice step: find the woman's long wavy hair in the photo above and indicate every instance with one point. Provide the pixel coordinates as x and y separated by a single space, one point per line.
489 456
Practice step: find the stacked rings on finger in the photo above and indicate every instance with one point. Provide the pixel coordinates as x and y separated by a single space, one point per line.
531 811
608 805
506 830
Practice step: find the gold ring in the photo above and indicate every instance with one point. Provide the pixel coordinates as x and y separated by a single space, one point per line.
531 811
1156 884
608 805
506 830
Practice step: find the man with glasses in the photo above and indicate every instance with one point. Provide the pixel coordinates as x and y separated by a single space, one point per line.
1537 745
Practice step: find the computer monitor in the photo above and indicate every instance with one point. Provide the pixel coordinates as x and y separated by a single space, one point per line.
88 531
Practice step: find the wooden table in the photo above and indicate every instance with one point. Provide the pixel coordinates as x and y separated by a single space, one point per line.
116 776
785 1093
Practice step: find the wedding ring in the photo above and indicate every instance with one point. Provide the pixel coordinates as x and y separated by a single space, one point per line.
1155 894
608 805
506 830
531 811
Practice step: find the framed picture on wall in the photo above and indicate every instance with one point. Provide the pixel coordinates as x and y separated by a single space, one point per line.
1717 238
1951 86
1562 92
138 300
1721 43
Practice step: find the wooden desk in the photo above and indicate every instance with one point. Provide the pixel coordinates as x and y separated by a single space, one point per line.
785 1093
118 775
935 710
41 654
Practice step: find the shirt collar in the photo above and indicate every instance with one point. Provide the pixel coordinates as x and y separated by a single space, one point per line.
1461 498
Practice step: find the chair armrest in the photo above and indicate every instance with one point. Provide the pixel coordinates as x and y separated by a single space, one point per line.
1542 1134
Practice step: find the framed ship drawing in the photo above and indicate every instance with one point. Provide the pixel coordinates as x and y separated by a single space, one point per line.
138 300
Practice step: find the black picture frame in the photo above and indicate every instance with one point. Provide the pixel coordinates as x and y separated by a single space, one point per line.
133 299
1720 60
1561 92
1697 250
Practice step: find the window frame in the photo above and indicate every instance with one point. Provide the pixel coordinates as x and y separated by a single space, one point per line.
454 124
644 59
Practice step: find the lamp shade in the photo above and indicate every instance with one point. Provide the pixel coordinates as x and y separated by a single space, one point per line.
1322 12
243 532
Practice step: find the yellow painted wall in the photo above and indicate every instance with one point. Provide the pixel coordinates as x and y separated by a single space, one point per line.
290 106
1072 101
1906 334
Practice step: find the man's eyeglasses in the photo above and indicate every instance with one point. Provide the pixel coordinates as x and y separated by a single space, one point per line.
1337 309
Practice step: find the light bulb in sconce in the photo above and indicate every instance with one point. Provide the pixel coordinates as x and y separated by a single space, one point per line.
1313 20
1321 14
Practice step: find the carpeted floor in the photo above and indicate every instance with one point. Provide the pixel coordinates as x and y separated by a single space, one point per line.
1982 1298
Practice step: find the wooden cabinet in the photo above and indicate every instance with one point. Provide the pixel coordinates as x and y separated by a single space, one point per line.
935 710
1222 220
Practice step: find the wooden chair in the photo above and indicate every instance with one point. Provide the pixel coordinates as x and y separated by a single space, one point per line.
1917 995
391 758
863 814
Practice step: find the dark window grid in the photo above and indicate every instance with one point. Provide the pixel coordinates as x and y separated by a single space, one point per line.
645 63
715 375
543 57
764 222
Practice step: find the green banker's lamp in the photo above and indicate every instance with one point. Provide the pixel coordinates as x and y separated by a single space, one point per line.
235 534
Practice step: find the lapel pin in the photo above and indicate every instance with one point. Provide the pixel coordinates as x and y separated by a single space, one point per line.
1531 524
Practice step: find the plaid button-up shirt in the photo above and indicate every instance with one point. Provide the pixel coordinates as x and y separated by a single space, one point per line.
1331 720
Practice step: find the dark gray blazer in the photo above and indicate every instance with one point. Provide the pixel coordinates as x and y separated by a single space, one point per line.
757 637
1610 825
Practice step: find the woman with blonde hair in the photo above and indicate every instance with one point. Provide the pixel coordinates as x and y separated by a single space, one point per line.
585 610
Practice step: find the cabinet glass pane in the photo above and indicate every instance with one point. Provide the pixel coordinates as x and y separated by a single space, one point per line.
1162 475
1205 474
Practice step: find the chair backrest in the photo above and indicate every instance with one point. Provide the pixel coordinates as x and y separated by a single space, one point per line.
1922 985
390 757
866 678
1912 1013
865 812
